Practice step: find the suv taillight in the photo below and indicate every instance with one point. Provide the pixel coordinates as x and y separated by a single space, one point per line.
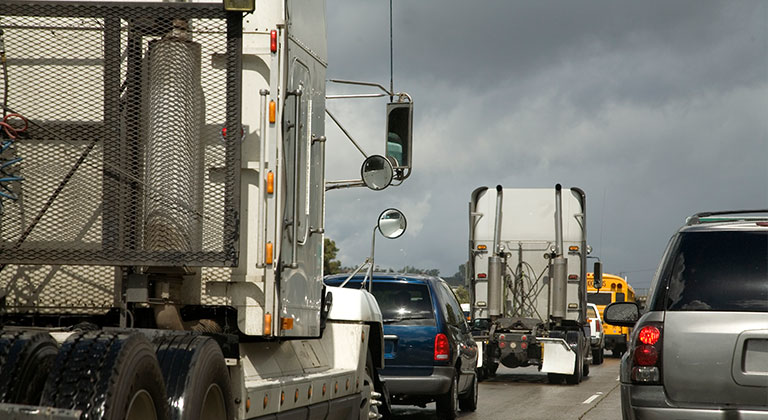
646 354
442 348
598 325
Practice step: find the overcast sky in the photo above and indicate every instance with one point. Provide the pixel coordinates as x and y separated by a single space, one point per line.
657 109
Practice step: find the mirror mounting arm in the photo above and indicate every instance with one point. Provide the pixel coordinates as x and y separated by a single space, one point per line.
337 185
343 130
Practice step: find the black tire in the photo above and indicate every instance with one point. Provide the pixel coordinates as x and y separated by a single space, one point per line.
597 356
448 403
25 360
196 377
619 350
492 368
385 409
109 376
367 409
468 401
481 375
578 373
555 378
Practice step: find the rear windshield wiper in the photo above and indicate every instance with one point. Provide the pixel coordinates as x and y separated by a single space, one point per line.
405 317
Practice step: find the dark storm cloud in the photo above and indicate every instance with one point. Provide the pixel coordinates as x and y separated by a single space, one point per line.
656 109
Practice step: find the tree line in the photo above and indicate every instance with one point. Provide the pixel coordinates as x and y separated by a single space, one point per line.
333 266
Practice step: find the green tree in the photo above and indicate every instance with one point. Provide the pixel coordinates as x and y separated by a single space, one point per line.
462 294
330 264
414 270
458 278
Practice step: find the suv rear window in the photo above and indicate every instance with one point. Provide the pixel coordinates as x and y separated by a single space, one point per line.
719 271
591 312
404 303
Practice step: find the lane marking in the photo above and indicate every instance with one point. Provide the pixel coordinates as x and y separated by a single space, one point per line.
592 398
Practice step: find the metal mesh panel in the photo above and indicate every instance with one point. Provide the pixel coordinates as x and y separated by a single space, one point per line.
131 156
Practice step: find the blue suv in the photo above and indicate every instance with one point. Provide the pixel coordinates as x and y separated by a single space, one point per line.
430 354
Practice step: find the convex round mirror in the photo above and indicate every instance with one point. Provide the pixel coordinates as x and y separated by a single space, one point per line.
377 172
392 223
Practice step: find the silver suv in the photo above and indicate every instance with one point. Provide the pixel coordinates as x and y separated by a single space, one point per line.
701 350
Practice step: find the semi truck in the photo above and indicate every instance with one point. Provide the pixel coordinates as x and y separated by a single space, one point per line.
527 279
162 206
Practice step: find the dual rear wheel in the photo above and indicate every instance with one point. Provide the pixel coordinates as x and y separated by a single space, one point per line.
117 375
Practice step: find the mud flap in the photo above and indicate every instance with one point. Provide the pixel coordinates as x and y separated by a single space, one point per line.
479 355
557 357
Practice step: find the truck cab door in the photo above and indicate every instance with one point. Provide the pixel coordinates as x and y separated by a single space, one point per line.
300 269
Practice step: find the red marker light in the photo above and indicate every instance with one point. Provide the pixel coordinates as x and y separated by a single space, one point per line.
482 276
273 41
649 335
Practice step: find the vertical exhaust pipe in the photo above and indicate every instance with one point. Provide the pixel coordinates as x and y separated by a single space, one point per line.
559 220
496 265
497 222
558 270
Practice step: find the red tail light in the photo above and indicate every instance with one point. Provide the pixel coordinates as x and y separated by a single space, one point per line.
442 348
649 335
646 354
598 325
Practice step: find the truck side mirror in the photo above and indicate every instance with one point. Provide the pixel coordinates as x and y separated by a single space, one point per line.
399 134
597 280
376 172
392 223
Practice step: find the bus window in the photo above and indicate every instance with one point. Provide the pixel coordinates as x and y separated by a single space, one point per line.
600 298
619 297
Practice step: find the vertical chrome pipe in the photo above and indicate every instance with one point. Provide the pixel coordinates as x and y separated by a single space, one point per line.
497 222
559 265
262 230
559 220
296 173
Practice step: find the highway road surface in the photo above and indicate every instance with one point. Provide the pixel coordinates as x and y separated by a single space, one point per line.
524 394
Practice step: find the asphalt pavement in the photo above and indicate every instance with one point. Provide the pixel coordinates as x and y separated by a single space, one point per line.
524 394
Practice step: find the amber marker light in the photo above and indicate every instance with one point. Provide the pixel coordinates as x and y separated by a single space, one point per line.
268 251
272 111
268 324
270 182
287 323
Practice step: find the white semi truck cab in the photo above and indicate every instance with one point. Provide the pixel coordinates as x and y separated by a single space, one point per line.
527 277
162 204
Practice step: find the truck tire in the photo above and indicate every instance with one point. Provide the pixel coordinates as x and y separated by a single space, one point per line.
578 373
555 378
369 409
597 356
25 360
468 402
448 404
196 377
109 376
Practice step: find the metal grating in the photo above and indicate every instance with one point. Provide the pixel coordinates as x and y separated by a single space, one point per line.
126 159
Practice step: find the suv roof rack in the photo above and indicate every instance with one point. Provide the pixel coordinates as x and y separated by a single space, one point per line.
725 216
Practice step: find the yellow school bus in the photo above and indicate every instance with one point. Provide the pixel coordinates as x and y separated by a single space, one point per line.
615 289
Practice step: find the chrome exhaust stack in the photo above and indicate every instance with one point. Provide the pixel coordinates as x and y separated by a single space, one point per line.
558 269
496 265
